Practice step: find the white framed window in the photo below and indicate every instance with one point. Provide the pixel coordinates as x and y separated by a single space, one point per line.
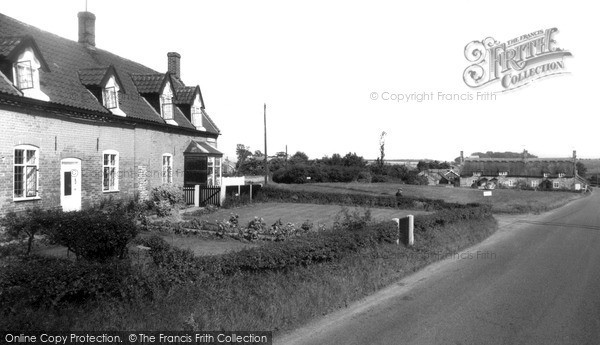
211 171
503 173
167 168
545 174
110 171
561 175
26 170
24 77
511 183
534 183
555 184
218 171
196 116
110 98
166 109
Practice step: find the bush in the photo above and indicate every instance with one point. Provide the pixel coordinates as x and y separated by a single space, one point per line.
167 197
94 234
49 282
29 223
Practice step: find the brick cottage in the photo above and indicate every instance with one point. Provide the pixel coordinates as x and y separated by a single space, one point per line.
80 124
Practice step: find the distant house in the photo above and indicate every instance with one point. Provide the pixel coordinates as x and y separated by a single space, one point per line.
81 124
440 176
531 173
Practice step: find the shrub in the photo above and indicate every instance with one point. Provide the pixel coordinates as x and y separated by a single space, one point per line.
167 197
49 282
94 234
29 223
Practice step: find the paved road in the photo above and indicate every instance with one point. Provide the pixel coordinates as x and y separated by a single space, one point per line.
536 281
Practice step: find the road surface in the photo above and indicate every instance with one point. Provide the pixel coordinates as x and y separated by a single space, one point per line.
536 281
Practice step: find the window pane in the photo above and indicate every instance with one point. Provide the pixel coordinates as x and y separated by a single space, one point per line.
105 159
112 179
105 178
19 181
31 159
19 156
113 160
167 111
24 75
110 98
31 186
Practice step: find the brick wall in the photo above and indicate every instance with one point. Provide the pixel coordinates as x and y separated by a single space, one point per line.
140 150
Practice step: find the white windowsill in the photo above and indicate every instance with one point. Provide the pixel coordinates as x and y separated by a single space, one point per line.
111 191
27 198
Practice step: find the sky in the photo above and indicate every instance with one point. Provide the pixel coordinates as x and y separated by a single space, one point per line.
318 65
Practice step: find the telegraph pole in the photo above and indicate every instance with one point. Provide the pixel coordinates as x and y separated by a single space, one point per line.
266 163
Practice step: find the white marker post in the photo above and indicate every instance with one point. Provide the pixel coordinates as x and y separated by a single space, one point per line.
406 229
411 230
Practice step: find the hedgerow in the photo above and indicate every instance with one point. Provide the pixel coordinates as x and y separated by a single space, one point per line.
274 194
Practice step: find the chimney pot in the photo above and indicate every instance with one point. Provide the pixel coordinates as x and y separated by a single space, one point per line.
174 63
87 29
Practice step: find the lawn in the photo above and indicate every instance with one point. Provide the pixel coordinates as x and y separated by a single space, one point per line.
298 213
502 200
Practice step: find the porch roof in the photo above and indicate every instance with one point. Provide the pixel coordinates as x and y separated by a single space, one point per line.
202 148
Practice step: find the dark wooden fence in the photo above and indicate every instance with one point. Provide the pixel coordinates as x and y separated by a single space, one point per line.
208 195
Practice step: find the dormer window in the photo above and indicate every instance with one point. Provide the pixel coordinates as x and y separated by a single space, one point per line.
476 173
546 174
24 75
503 173
104 83
561 175
109 97
26 61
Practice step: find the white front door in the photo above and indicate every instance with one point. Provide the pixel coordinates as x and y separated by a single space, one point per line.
70 184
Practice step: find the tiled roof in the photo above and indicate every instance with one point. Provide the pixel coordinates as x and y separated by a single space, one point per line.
92 76
185 94
519 167
73 66
8 44
148 83
202 148
6 86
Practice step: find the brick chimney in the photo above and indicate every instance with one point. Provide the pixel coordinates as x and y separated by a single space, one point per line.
87 29
462 157
174 63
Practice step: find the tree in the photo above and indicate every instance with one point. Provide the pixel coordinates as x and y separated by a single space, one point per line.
242 153
258 153
353 160
380 160
581 169
299 157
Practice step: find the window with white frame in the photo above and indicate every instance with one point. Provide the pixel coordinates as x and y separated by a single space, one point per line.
511 183
546 174
534 183
196 116
555 184
167 107
561 175
211 171
109 97
26 166
110 171
167 168
218 171
503 173
24 77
